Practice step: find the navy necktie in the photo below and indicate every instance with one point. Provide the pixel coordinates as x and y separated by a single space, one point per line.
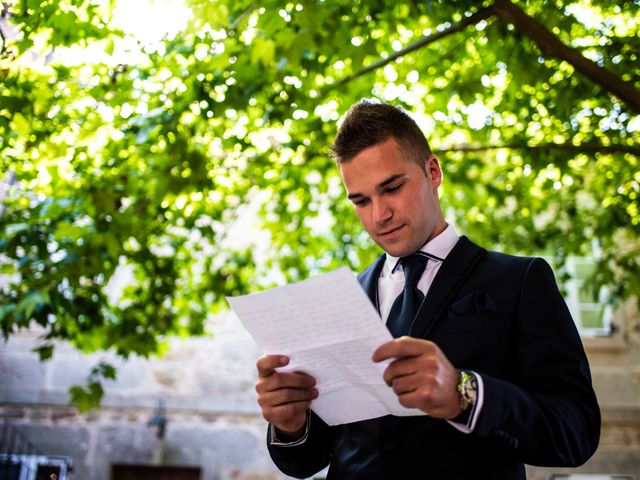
406 306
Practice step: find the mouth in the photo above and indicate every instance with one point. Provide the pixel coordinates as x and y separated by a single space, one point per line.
390 232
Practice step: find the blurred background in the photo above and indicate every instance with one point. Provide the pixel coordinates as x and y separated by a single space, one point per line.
159 155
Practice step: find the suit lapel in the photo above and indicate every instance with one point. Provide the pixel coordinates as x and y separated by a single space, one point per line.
369 280
453 272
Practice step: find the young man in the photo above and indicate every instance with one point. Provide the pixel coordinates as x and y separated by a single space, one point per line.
485 345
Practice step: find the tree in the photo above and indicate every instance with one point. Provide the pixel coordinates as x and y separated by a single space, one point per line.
142 161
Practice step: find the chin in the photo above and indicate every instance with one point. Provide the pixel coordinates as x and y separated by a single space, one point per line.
397 251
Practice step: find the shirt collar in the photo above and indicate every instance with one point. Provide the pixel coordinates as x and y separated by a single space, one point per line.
436 249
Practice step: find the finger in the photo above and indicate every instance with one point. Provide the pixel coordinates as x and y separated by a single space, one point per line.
423 365
424 385
400 368
402 347
409 400
267 364
404 385
284 396
278 381
285 413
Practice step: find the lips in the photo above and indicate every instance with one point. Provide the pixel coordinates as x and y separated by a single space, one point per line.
390 232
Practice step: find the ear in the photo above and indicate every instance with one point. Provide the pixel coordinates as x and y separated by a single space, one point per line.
433 171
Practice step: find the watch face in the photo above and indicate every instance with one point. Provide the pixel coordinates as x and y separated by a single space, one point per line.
467 389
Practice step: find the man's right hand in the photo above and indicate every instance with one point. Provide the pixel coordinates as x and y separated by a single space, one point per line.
284 397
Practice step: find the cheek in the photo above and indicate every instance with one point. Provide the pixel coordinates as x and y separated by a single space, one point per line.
420 207
364 216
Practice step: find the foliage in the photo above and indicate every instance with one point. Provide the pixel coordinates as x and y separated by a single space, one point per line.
85 398
148 161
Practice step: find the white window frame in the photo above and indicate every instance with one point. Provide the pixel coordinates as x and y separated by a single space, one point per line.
577 307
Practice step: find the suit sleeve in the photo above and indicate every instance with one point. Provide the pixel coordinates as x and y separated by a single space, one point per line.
548 415
305 459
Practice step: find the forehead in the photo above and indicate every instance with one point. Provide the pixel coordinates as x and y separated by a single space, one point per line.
374 165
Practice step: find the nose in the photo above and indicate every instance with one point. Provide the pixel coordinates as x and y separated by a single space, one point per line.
382 213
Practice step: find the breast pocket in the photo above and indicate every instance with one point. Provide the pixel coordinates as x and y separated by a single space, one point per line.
475 311
472 322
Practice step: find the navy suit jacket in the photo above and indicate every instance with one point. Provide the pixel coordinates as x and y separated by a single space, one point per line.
504 318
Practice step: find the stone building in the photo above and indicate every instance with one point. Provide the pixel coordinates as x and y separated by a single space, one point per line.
213 427
204 384
615 367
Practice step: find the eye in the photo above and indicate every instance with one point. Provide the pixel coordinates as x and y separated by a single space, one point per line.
361 202
394 189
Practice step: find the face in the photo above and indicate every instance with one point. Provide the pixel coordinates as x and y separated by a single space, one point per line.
395 198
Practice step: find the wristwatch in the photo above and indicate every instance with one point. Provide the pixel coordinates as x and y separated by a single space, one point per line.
467 389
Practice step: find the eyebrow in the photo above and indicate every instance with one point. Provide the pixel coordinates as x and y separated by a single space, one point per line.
391 179
380 186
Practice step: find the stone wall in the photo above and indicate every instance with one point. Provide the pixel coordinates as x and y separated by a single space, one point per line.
224 446
206 385
615 367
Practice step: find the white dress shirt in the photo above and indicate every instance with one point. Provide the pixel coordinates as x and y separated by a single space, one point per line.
391 284
391 281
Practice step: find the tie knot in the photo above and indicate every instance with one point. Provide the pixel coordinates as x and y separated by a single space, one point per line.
413 267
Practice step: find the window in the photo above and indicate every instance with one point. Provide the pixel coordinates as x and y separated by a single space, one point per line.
34 467
592 315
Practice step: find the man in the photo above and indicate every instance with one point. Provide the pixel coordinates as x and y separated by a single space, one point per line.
491 355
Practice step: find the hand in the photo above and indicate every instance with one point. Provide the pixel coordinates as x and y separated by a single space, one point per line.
284 397
421 376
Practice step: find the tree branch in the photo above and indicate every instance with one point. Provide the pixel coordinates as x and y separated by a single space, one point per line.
585 148
241 17
425 40
552 46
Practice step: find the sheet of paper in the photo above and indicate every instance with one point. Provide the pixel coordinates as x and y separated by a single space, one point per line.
329 329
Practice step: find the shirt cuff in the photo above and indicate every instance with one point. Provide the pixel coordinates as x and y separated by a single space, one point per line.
476 408
279 443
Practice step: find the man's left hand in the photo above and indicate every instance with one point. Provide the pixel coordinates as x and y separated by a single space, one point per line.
421 376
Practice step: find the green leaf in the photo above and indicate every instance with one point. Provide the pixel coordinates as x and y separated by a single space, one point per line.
45 352
104 370
88 397
20 124
225 153
7 269
28 304
263 51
